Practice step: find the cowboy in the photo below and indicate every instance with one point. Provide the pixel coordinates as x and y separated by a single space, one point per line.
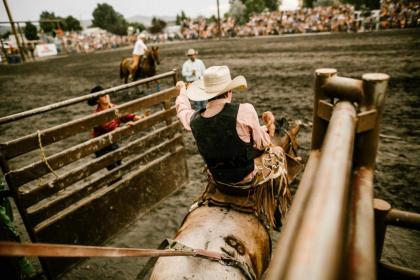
237 151
228 135
138 53
102 103
192 70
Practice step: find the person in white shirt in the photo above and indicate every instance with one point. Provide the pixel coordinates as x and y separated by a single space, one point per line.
138 53
192 70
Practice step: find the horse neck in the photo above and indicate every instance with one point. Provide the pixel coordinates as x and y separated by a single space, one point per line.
150 60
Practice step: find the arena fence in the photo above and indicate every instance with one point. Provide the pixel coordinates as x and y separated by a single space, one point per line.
86 204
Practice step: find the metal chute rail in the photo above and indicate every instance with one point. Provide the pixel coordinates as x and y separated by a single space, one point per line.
330 230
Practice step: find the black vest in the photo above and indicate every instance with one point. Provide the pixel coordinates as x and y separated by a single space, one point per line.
228 158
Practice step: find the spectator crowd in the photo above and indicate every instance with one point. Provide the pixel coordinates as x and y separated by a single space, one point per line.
399 14
319 19
344 18
87 41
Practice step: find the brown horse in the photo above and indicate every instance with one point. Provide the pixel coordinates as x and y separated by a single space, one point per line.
147 67
225 230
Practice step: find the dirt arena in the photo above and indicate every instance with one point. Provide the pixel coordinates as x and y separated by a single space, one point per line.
279 71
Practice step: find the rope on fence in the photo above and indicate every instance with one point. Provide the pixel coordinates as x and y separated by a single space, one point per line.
43 157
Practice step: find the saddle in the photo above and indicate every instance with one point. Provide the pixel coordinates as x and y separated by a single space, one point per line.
267 195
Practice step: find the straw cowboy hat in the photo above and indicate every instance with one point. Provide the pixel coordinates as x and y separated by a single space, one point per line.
215 81
191 52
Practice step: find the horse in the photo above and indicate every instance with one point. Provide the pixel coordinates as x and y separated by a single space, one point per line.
239 235
146 68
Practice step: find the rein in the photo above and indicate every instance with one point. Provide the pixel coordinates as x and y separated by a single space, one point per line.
175 249
16 249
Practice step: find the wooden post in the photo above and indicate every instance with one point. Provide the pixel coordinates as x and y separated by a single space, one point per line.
219 30
175 78
25 50
374 88
6 6
381 211
319 126
4 50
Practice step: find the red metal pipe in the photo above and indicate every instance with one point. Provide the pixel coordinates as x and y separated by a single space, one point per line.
362 261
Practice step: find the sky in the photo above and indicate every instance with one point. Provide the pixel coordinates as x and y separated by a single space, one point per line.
82 9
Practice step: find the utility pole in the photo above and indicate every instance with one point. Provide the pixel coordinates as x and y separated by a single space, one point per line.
218 21
14 30
25 50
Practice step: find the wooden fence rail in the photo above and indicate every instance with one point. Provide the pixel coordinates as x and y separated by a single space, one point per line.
69 196
69 102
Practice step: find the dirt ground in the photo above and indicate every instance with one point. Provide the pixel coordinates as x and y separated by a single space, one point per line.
279 71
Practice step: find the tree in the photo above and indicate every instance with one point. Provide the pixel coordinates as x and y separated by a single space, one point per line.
72 24
359 4
180 18
238 11
272 5
138 26
157 25
308 3
47 26
31 33
105 17
254 6
212 19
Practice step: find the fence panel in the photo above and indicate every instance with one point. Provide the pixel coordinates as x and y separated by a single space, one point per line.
70 197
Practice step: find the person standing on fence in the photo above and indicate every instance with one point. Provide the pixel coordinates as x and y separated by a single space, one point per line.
104 103
192 70
138 53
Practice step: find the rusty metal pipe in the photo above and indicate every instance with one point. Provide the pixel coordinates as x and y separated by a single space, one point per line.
403 219
362 261
319 241
293 220
344 89
29 113
319 126
392 271
381 208
374 88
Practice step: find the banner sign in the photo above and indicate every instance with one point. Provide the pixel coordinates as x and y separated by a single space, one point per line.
43 50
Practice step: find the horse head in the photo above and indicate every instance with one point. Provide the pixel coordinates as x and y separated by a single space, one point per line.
154 55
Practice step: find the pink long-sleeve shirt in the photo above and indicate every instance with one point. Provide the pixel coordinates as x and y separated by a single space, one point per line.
247 123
